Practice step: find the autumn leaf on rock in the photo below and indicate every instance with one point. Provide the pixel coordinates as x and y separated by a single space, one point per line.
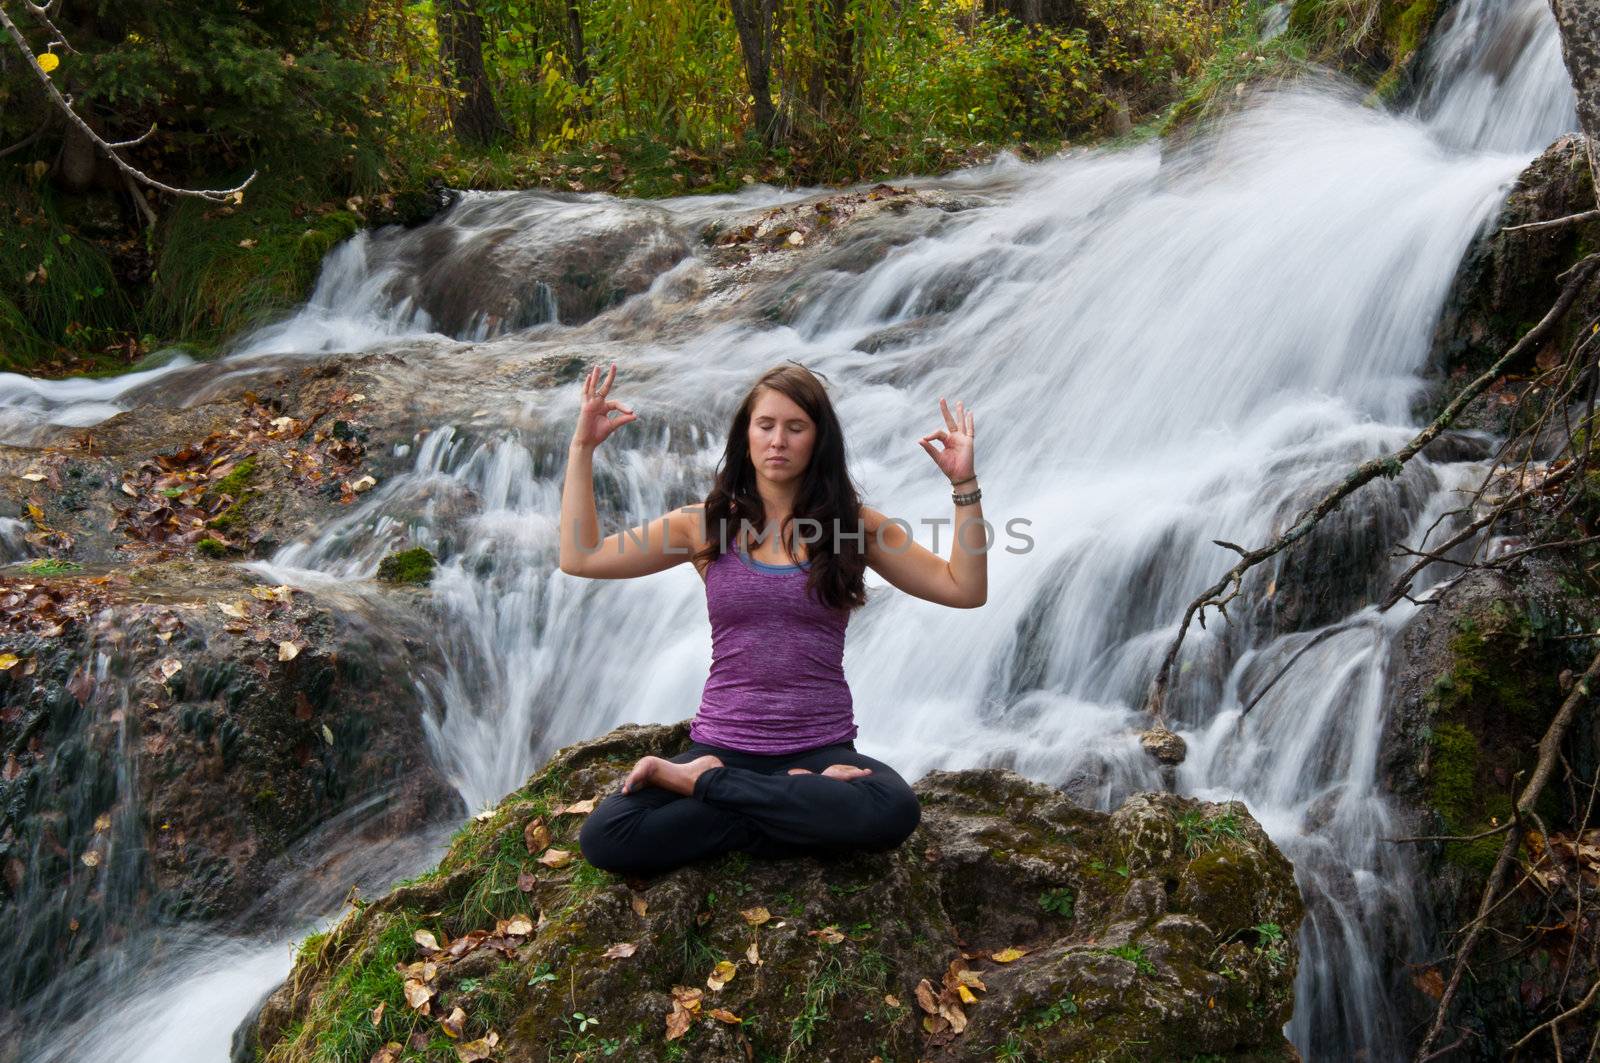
453 1024
389 1053
288 651
721 975
580 808
170 667
926 999
426 939
619 951
554 858
830 934
519 925
724 1015
1009 955
753 955
756 916
678 1021
640 905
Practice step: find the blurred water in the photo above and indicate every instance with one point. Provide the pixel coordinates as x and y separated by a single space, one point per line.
1161 350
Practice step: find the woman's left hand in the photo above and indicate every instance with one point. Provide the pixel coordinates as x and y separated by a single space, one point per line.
955 460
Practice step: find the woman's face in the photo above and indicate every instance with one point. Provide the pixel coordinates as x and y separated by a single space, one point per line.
781 436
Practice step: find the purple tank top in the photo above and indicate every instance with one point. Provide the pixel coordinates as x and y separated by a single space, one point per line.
777 661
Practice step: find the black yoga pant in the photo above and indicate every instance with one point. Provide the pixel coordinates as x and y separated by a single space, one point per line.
753 805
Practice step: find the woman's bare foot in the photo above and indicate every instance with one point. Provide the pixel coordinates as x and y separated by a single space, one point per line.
678 778
844 772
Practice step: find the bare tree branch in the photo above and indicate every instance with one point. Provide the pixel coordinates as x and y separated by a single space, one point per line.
1386 465
218 195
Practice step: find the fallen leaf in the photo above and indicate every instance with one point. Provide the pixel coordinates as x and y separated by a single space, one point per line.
389 1053
619 951
418 993
519 925
288 651
721 975
967 996
526 881
327 734
724 1015
925 997
233 609
453 1025
756 916
536 836
891 1000
426 939
8 661
1008 955
678 1021
830 934
753 955
170 667
580 808
640 905
473 1051
102 823
377 1012
555 858
91 859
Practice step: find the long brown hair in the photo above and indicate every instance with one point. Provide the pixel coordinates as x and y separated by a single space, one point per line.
826 494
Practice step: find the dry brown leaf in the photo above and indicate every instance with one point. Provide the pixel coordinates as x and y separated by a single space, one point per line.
678 1021
377 1013
724 1015
753 954
526 881
830 934
891 1000
426 939
620 950
418 993
577 808
288 651
926 999
555 858
519 925
536 836
170 667
389 1053
756 916
688 996
454 1024
474 1051
640 905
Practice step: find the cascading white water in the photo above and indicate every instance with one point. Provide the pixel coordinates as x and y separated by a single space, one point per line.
1162 350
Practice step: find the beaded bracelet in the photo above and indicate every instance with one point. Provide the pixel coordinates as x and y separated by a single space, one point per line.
967 499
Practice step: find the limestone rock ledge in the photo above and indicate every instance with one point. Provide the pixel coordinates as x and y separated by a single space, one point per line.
1013 924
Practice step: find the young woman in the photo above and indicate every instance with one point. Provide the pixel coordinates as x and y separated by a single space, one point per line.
781 542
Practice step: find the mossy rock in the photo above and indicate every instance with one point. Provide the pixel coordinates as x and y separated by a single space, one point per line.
415 565
1155 956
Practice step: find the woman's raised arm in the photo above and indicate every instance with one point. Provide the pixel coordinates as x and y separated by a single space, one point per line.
645 548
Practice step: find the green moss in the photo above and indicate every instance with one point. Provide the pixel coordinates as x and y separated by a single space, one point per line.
407 566
233 484
50 566
209 547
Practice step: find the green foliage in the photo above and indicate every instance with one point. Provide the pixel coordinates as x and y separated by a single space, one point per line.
1201 834
50 566
1059 900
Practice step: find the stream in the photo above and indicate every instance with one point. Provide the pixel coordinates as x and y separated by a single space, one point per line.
1162 349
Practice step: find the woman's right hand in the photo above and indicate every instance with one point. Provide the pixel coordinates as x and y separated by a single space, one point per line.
594 420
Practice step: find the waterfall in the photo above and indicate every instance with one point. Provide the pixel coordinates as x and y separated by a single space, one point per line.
1163 345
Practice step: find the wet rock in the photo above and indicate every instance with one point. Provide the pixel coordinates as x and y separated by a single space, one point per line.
1164 745
1507 282
1476 682
1011 921
167 731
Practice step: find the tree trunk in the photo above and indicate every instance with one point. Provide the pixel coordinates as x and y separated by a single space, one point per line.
755 19
577 54
473 114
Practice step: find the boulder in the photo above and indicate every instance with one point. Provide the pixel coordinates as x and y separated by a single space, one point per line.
1012 924
167 731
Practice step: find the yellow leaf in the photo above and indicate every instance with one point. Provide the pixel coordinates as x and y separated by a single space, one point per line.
48 62
967 996
555 858
8 661
1008 955
756 916
724 1015
721 975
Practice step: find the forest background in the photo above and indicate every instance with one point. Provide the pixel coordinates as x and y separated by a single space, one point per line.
358 112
